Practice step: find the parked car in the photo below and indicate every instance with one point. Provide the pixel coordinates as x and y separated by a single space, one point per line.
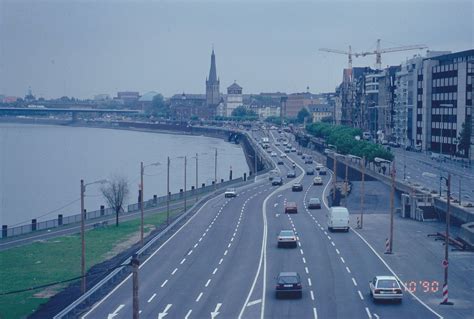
297 187
289 284
385 287
310 171
277 181
314 203
230 192
317 181
291 174
291 208
287 238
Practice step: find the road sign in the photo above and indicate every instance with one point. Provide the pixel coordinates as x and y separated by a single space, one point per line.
445 263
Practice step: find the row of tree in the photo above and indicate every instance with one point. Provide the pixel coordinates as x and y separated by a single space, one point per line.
345 140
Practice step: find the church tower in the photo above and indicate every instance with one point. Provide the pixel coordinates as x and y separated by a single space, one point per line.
212 84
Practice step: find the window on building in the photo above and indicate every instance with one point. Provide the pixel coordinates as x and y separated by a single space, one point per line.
455 66
469 95
469 80
455 79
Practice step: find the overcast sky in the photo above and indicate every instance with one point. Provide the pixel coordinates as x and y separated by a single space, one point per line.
82 48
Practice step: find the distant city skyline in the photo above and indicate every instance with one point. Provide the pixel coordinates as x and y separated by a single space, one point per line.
83 48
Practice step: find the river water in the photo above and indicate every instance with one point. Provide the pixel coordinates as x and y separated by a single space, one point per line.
41 166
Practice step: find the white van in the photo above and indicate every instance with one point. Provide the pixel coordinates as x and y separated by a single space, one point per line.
338 218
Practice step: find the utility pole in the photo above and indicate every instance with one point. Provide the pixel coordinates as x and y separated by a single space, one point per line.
185 164
196 187
168 193
215 170
460 190
141 203
135 263
392 208
83 242
362 194
446 245
334 180
346 182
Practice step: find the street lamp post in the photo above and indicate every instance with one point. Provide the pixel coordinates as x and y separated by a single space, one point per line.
446 244
142 171
83 241
362 194
215 170
168 193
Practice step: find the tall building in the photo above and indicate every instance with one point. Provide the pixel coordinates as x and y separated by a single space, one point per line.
212 84
234 98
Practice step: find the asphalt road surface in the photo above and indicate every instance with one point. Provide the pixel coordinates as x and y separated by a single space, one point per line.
223 262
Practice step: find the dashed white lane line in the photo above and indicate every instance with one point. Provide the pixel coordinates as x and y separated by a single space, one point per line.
195 245
306 269
360 295
309 282
329 237
315 313
233 235
342 259
299 244
333 244
199 297
215 270
188 314
207 283
348 270
304 260
220 261
301 251
337 251
190 252
174 271
225 252
151 298
200 239
230 244
368 312
354 281
182 261
164 283
312 294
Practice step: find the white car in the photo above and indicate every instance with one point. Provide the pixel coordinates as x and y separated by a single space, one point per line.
277 144
385 287
282 155
230 192
317 180
287 238
273 154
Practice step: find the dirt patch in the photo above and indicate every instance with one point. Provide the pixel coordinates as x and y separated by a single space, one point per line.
48 292
129 242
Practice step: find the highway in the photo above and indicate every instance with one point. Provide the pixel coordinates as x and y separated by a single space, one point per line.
223 263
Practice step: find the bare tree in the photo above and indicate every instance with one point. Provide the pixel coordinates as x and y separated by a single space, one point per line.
115 193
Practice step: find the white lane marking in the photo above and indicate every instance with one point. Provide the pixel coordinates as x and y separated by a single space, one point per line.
215 270
329 237
325 233
151 298
225 252
280 195
207 283
306 269
188 314
309 282
216 311
195 245
199 297
368 312
164 283
174 271
182 261
200 239
348 270
332 243
230 244
165 312
360 295
113 314
275 205
395 275
304 260
301 251
312 295
254 302
220 261
354 281
190 252
376 316
315 313
342 259
337 251
299 244
234 234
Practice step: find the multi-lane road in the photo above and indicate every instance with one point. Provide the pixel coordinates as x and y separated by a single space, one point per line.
223 263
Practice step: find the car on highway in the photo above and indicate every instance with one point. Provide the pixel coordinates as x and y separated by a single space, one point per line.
282 155
338 218
293 150
297 187
287 238
310 171
319 166
322 171
273 154
230 192
269 150
299 153
303 156
285 143
277 144
277 181
291 208
287 150
308 160
317 180
280 162
385 288
314 203
291 174
288 285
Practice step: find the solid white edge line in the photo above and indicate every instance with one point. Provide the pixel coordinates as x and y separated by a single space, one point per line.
395 275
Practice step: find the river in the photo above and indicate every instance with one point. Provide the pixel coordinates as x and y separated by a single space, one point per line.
41 166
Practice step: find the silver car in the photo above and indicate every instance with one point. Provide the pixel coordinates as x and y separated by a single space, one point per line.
385 288
287 238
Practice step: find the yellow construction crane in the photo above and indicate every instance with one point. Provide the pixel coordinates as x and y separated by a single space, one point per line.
378 52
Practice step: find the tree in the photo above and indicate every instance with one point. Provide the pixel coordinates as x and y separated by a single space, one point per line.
327 119
115 193
302 114
465 138
158 107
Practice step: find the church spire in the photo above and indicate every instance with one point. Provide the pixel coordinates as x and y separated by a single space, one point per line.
212 72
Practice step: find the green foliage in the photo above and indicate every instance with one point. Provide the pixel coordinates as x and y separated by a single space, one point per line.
158 107
242 112
326 119
274 120
465 138
343 138
302 114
